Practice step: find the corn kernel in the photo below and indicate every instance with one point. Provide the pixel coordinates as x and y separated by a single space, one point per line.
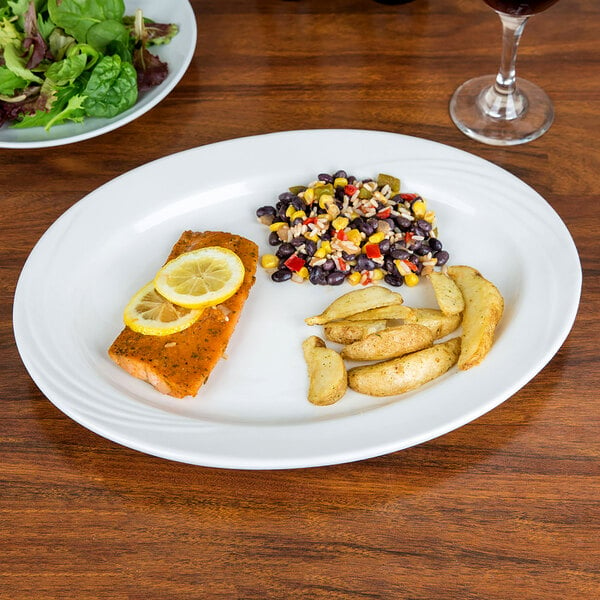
419 209
312 236
303 272
354 236
429 216
402 268
340 182
324 200
277 226
377 237
354 278
299 214
321 252
326 246
291 209
340 223
309 195
378 274
269 261
411 279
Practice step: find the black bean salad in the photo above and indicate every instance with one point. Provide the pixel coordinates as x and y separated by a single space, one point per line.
339 228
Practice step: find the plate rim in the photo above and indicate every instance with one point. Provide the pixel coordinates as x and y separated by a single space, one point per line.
329 459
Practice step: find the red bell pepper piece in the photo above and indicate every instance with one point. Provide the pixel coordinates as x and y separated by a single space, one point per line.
409 197
411 265
294 263
372 250
385 213
350 189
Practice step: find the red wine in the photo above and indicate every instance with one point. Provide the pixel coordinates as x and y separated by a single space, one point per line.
520 8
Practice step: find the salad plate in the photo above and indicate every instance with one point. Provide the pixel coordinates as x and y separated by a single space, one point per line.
178 54
253 412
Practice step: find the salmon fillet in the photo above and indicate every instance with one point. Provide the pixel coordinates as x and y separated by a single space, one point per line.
178 364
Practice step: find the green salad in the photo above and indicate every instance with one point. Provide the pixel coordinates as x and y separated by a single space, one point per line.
66 60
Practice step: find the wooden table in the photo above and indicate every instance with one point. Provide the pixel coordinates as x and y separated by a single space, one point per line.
505 507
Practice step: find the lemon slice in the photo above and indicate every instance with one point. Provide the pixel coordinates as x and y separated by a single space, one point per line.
203 277
149 313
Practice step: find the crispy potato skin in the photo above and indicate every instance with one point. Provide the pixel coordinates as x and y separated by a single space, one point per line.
447 294
400 375
328 380
484 306
346 332
434 319
355 302
390 343
391 312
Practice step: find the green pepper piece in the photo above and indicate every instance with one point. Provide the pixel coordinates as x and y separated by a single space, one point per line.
323 189
365 194
393 182
296 189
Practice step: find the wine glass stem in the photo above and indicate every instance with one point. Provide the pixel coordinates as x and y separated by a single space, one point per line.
512 29
503 100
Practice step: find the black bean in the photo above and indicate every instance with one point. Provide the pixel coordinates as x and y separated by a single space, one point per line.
298 241
266 210
274 239
403 223
442 257
281 212
285 250
336 277
340 173
339 196
384 246
297 221
325 177
364 263
424 225
397 199
418 231
348 257
310 247
398 252
390 267
394 280
421 250
317 276
287 197
328 265
435 244
282 274
298 203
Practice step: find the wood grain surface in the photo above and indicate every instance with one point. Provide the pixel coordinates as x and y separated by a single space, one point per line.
504 508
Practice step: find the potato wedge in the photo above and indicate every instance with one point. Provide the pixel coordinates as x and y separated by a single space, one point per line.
355 302
346 332
406 373
391 312
447 294
484 306
434 319
328 380
390 343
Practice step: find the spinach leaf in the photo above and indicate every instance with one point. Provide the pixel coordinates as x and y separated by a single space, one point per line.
67 70
111 89
77 16
101 35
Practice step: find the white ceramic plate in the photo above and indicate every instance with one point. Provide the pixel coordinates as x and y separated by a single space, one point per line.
177 54
253 412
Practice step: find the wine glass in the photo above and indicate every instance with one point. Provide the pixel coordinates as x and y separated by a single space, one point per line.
500 109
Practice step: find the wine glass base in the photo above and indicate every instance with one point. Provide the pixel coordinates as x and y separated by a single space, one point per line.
468 111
